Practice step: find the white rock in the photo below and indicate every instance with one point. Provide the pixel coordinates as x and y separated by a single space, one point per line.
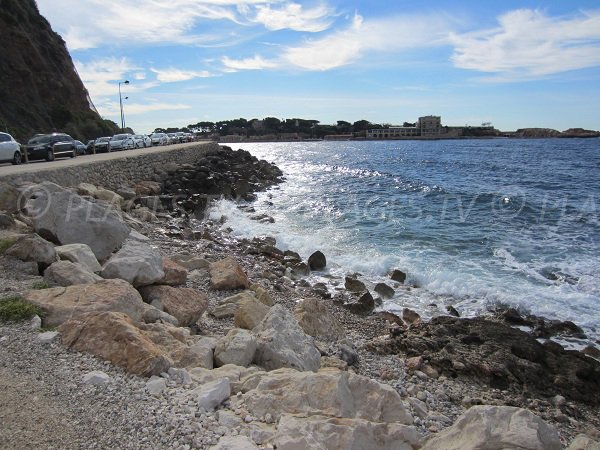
211 395
237 347
234 443
496 428
36 323
282 343
156 385
96 378
67 273
319 432
47 337
70 219
137 263
79 253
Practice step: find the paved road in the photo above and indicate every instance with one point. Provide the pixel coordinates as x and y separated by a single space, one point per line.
36 166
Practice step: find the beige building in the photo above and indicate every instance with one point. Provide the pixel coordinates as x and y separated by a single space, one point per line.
427 126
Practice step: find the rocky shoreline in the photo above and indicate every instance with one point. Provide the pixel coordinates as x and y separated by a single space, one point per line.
242 352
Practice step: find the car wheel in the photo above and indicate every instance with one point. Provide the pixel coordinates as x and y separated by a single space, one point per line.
50 155
17 158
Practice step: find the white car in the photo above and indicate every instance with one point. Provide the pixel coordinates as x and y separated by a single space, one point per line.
159 139
10 150
142 141
121 142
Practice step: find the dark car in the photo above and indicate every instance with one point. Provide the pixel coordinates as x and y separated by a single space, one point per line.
81 147
89 147
50 146
102 145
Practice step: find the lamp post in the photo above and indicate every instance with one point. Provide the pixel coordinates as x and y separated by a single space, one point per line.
121 104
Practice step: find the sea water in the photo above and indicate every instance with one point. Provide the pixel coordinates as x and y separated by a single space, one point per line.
474 223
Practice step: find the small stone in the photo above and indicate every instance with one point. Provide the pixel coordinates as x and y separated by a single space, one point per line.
559 401
36 323
47 337
96 378
156 385
398 275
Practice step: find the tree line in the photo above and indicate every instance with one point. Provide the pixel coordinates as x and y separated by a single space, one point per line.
273 126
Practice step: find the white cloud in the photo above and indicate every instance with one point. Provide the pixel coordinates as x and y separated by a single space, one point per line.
133 109
172 75
255 63
101 77
294 17
390 35
528 44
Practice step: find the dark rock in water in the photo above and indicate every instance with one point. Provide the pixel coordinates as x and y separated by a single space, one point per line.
292 255
317 261
500 355
354 285
513 317
592 351
452 311
362 305
299 270
321 290
410 316
398 275
549 328
384 291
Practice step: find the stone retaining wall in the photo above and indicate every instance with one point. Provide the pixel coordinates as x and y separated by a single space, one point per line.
115 173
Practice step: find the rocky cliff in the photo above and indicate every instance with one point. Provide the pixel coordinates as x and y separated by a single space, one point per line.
40 90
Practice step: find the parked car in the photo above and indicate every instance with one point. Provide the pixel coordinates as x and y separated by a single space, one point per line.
173 139
50 146
181 136
102 145
81 147
10 150
159 139
141 140
89 147
122 142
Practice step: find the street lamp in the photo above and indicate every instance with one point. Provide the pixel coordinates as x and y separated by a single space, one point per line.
121 104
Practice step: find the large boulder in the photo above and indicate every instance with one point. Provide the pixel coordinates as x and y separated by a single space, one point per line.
185 304
33 248
175 275
61 303
316 320
227 274
335 433
361 304
67 273
67 218
113 336
237 347
329 392
496 428
81 254
249 313
136 262
317 261
354 285
282 343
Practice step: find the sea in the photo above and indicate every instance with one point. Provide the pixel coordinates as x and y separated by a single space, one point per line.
473 223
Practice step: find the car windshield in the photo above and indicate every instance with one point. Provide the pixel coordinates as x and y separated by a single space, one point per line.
103 139
40 139
119 137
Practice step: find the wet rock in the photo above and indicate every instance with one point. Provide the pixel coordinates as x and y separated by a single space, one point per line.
410 316
317 261
385 291
398 275
362 305
353 285
500 356
452 311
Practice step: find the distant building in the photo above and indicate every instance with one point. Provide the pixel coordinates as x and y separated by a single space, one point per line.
427 126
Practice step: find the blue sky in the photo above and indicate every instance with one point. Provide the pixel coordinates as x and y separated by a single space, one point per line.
515 64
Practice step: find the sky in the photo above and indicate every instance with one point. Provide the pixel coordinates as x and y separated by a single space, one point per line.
512 63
